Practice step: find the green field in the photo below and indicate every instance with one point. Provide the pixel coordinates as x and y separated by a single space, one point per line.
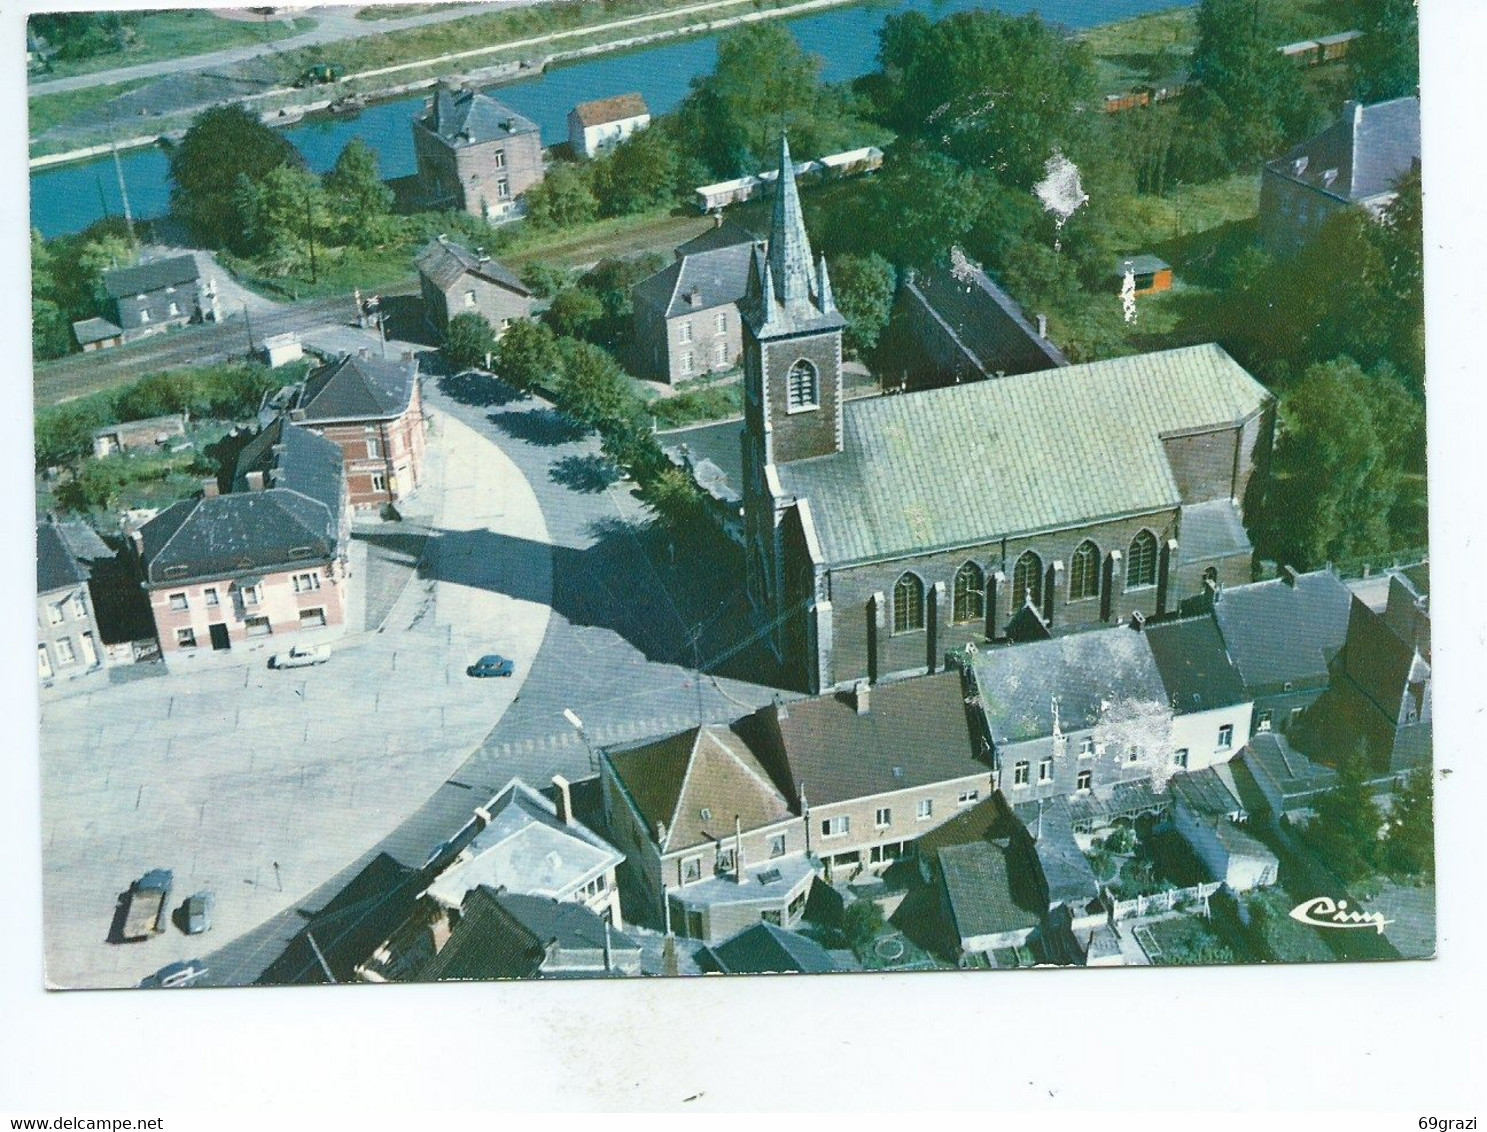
176 34
46 111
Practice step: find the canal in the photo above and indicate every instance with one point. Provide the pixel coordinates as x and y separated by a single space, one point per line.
67 199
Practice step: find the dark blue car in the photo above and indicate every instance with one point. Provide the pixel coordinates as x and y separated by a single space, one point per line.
492 665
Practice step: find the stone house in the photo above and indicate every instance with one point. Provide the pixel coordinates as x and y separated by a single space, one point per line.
372 408
1210 818
454 281
68 641
1211 713
1357 161
153 296
235 571
598 126
883 532
475 154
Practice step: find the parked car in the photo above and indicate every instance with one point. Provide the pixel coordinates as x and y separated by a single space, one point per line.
196 913
173 975
491 665
300 656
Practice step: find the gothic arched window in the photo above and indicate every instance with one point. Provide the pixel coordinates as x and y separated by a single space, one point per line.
1027 580
1141 561
970 594
1084 572
804 389
908 604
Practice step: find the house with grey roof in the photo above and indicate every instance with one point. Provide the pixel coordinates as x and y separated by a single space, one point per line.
984 906
1210 818
150 297
1211 713
966 328
455 280
768 949
475 154
1287 781
68 641
1357 162
265 560
686 321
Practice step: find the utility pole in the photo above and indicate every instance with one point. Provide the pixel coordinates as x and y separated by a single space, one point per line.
248 319
113 145
310 231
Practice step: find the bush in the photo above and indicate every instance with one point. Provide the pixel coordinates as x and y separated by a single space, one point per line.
469 341
862 920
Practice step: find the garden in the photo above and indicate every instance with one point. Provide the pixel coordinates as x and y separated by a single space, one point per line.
1143 859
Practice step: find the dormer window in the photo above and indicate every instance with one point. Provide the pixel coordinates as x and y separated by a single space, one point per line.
1299 165
1328 177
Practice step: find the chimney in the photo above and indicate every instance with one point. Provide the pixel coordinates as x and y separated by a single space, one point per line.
364 352
862 697
1289 576
781 708
565 800
480 255
209 488
660 832
1042 326
1138 620
255 480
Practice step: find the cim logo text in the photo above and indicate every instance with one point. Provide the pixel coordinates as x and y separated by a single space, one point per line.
1324 912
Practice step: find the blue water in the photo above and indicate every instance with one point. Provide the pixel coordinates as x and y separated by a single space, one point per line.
67 199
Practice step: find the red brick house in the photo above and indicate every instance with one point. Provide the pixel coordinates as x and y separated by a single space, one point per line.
373 409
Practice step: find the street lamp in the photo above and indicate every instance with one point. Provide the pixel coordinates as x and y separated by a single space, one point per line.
577 725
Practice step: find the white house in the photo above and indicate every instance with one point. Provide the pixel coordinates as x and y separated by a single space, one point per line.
594 127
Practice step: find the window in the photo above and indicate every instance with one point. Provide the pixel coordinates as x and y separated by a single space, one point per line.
722 322
725 861
1084 781
312 618
498 159
43 662
691 869
379 482
1045 770
883 818
1262 721
470 298
144 317
374 448
185 638
1181 758
503 188
777 845
90 650
79 606
250 595
1226 736
970 594
968 797
795 906
210 597
306 582
689 363
1295 715
65 653
836 827
178 601
908 604
1084 572
259 627
720 354
803 390
55 612
1020 773
925 808
684 332
175 310
1027 579
1141 561
1133 753
1086 748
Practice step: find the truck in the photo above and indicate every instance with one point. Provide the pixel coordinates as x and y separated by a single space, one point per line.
321 74
145 905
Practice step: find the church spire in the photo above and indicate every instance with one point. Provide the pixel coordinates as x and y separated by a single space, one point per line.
789 246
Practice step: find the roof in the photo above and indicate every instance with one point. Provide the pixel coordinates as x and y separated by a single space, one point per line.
1067 873
56 568
82 540
613 109
1281 633
724 235
1211 530
295 459
443 262
153 276
1141 265
1270 756
357 388
918 732
469 117
766 949
987 324
979 886
714 453
715 277
90 330
1017 684
525 847
892 490
1360 156
695 783
1205 792
1194 665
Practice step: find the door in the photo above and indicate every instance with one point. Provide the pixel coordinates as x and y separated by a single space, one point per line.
220 639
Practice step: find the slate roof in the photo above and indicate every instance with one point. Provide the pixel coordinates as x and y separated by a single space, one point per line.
724 235
1141 264
918 732
1270 756
716 276
1018 683
156 275
1067 873
767 949
1278 633
715 454
979 885
443 261
90 330
56 568
673 780
83 541
965 464
1205 793
355 388
1195 667
468 117
296 459
1210 531
1367 150
526 848
613 109
986 322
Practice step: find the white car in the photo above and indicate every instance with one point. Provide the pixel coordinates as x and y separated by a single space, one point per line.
300 656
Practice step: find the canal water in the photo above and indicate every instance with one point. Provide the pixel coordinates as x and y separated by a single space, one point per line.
69 198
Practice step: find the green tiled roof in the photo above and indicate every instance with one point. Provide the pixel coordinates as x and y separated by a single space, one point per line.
966 464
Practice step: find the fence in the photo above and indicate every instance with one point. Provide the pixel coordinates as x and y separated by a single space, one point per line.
1161 901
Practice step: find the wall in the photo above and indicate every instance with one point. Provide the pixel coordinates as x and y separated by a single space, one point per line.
402 441
1240 871
1198 733
590 141
1106 767
904 825
77 627
277 601
1291 213
466 176
705 339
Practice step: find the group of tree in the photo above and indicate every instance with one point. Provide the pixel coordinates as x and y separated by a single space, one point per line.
67 281
1356 839
85 35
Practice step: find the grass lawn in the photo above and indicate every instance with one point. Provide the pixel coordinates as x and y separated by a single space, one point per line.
399 11
178 33
705 403
48 110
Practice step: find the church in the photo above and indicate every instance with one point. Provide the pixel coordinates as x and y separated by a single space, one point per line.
883 532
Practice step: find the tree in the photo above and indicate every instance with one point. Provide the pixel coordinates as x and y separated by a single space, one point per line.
357 195
1409 843
527 355
65 433
1345 831
1385 62
649 169
862 920
103 252
672 494
863 287
223 146
285 217
563 198
469 340
574 311
51 334
920 205
594 390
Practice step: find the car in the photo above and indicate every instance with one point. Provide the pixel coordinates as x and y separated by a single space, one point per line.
196 913
300 656
491 665
174 975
